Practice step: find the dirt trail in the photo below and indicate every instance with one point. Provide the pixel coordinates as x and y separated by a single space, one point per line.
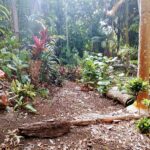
69 102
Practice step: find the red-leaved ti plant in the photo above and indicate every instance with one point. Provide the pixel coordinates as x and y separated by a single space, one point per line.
39 43
44 35
38 47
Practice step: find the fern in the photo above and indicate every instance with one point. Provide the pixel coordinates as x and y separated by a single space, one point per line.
4 19
4 13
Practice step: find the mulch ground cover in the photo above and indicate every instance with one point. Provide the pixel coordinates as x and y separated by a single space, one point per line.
68 102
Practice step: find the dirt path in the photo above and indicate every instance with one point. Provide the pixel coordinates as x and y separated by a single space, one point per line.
69 102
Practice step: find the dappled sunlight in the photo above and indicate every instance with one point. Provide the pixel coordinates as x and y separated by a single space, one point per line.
74 74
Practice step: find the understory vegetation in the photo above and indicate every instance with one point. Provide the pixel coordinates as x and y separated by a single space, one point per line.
45 43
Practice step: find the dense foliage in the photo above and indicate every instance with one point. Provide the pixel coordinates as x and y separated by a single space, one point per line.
79 26
97 70
24 94
136 85
45 42
144 125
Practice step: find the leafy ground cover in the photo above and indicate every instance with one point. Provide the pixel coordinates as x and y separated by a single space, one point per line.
68 102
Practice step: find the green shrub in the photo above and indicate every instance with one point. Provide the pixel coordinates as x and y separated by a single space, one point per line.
18 67
14 62
24 93
136 85
120 79
144 125
50 69
43 92
25 90
89 72
97 70
146 102
69 57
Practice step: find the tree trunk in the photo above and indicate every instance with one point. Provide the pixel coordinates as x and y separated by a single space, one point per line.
144 47
115 8
36 7
67 28
118 33
127 64
60 17
138 2
15 18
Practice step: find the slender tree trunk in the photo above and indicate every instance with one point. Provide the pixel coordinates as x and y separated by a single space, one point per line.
60 22
60 16
36 6
144 46
138 2
144 40
67 29
15 18
127 33
115 8
118 33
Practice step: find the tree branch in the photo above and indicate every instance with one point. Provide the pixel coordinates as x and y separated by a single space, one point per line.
115 8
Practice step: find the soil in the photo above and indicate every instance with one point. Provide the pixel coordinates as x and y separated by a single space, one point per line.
69 102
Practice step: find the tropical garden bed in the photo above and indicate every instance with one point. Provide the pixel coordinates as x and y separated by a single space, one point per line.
68 75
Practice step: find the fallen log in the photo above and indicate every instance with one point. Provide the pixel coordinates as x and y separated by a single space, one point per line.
104 119
55 128
45 129
123 98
